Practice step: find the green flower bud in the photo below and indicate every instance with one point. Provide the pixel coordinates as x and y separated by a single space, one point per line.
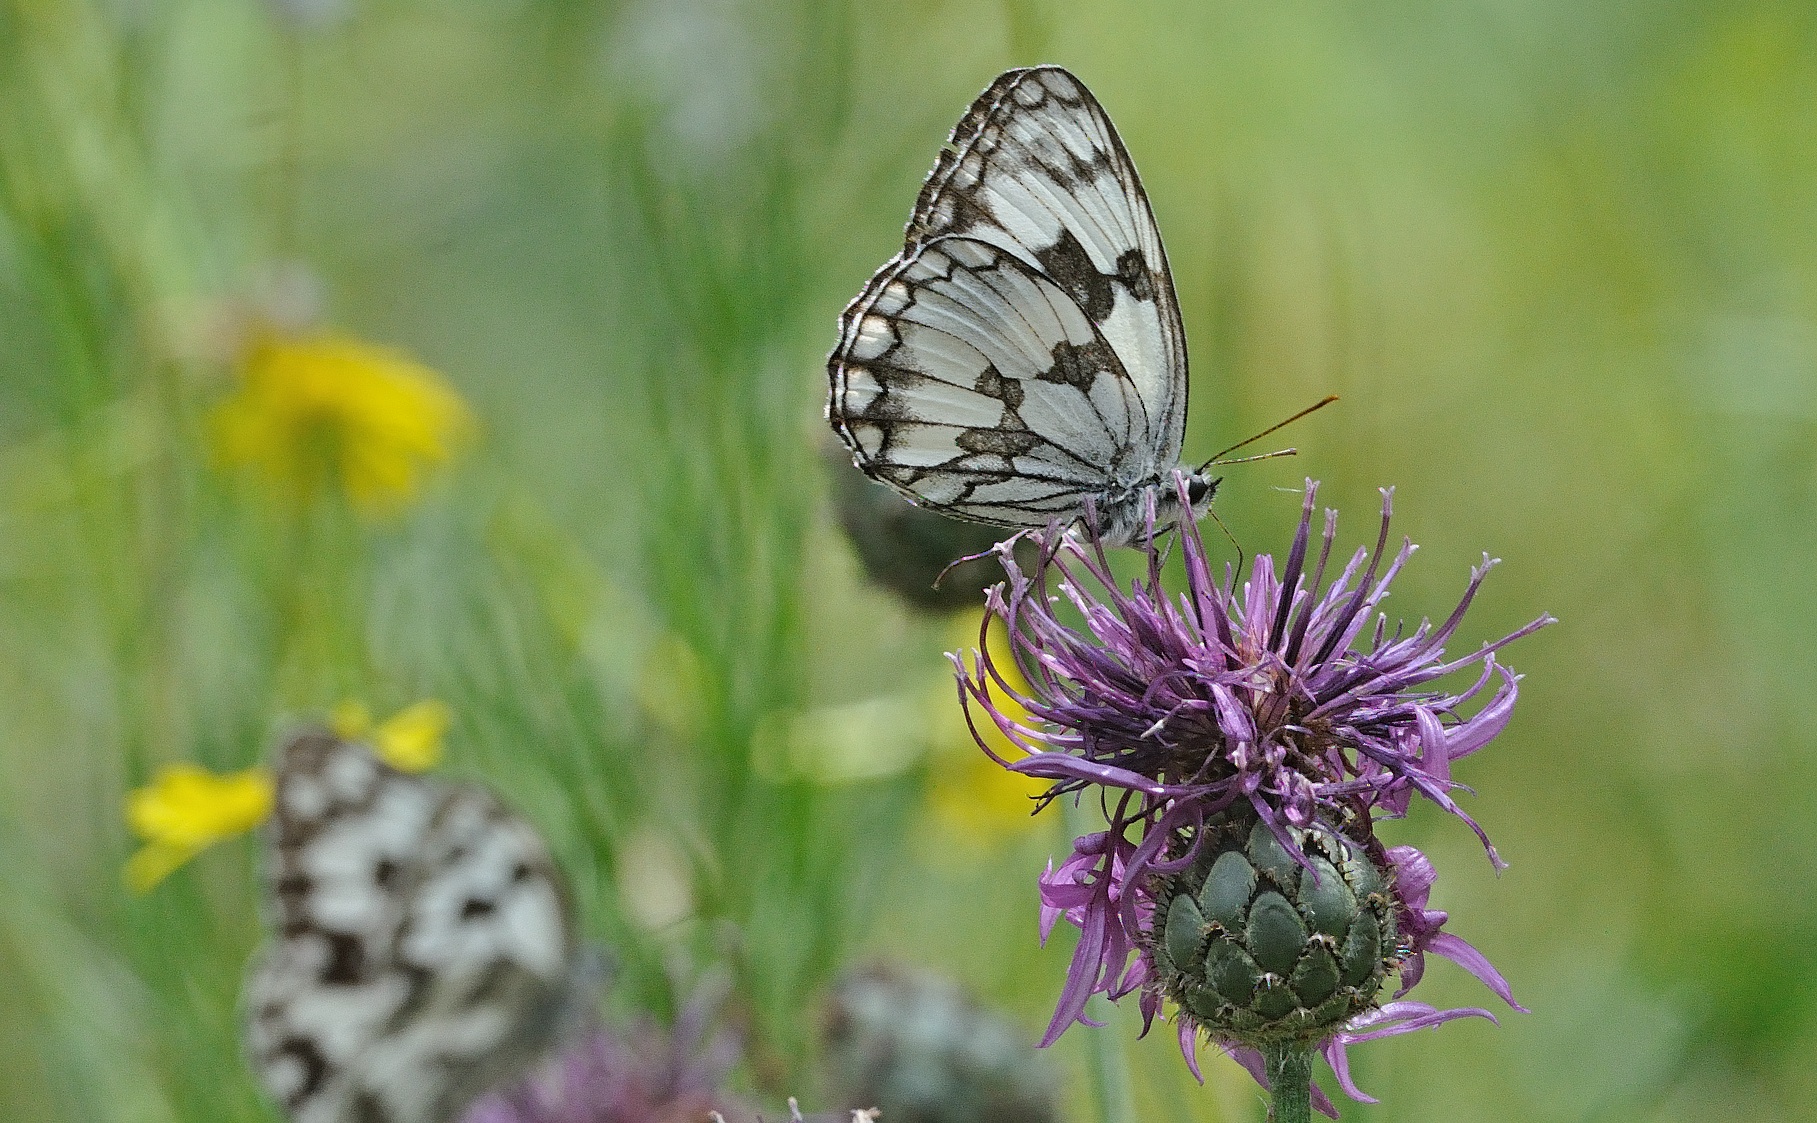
1258 947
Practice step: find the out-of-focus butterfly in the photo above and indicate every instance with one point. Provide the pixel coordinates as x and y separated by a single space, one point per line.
1023 356
422 950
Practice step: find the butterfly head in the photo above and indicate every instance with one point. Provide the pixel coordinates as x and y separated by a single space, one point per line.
1128 516
1199 487
1199 491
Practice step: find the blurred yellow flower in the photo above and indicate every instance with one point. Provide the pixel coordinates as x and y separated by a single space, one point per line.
324 407
970 793
409 740
185 810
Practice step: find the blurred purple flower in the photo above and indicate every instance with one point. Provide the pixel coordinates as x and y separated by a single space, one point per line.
1287 695
644 1076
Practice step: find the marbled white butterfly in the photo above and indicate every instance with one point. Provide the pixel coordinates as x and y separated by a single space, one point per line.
422 949
1023 355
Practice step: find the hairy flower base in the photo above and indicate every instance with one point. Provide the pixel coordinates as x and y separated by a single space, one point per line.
1389 1020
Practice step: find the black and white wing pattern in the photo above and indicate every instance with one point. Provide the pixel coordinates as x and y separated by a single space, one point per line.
422 949
1023 353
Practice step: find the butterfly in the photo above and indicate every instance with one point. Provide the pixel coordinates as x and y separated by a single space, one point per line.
423 948
1022 359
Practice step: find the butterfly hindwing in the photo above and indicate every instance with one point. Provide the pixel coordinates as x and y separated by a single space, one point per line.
977 385
1035 171
422 949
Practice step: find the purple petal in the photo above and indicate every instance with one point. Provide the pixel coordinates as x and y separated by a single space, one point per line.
1062 766
1396 1018
1491 719
1413 875
1189 1048
1458 951
1081 977
1412 970
1435 753
1252 1062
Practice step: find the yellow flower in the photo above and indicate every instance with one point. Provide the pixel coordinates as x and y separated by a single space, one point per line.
972 794
409 740
185 810
980 799
324 408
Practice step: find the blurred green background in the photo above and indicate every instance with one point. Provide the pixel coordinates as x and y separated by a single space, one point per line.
1560 261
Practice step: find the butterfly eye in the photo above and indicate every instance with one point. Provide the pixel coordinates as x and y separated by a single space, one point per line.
1198 488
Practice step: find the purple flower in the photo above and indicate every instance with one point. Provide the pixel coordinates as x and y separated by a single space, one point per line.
644 1076
1288 698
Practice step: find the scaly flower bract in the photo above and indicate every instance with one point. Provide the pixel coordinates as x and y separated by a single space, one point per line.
1288 697
325 408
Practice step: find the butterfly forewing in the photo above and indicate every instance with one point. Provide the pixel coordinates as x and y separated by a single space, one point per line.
422 949
1036 171
1037 168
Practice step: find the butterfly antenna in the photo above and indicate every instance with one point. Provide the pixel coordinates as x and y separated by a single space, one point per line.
1241 557
1253 459
1219 458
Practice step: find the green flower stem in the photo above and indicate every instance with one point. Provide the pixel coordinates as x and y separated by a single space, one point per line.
1109 1069
1289 1081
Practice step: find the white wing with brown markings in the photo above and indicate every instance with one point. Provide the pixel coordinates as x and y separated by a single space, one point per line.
422 949
1023 354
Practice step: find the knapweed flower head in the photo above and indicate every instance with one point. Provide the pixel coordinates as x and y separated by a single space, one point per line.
1245 740
323 410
